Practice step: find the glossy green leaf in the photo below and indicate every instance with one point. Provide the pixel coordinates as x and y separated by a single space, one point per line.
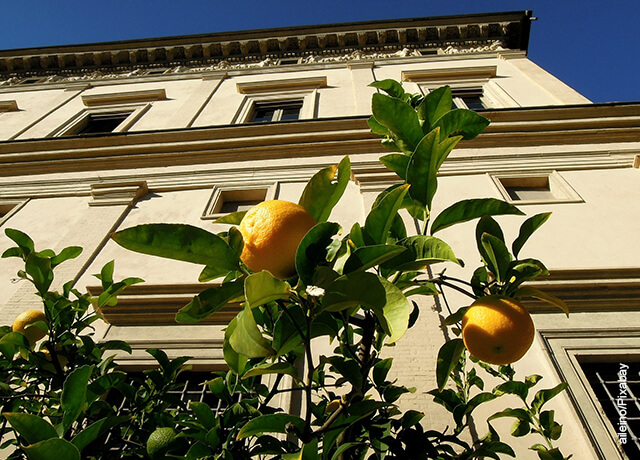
434 105
261 288
528 291
348 368
324 190
106 274
422 170
180 242
512 387
353 289
11 342
74 395
52 449
247 339
421 251
366 257
313 249
377 128
24 242
520 414
109 296
210 301
31 427
67 253
544 396
394 315
392 87
526 230
236 361
462 122
287 330
396 162
497 256
233 218
270 423
337 455
448 357
39 268
212 273
380 218
272 368
205 416
400 119
487 224
466 210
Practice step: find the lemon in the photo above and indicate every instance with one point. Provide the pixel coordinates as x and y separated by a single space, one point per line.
24 323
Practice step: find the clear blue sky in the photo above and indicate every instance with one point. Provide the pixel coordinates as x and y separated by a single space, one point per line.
593 45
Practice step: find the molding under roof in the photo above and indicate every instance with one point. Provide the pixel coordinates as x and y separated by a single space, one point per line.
511 29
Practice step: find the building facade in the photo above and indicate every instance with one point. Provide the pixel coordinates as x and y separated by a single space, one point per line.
99 137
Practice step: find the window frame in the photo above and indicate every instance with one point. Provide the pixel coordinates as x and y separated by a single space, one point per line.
213 208
279 107
9 208
74 126
560 190
566 349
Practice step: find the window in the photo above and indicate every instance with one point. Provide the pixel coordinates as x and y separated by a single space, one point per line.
616 387
95 123
232 198
9 208
523 188
471 99
275 111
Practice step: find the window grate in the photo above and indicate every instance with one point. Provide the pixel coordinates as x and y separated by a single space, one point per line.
617 389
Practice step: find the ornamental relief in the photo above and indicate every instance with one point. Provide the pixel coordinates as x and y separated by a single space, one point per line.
356 55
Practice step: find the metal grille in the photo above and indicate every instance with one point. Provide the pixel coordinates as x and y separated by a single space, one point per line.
617 388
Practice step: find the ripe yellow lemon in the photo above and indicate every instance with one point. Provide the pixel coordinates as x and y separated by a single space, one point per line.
272 231
24 324
497 330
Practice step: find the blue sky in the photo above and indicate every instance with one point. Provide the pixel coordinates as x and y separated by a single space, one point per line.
593 45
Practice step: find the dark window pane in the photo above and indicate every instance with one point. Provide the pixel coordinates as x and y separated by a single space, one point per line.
617 388
290 113
276 111
102 122
264 114
473 102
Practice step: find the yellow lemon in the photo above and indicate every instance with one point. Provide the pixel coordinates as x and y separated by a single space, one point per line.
24 323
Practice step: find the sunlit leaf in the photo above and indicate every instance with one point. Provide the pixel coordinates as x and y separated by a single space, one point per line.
234 360
24 242
527 291
389 86
434 106
400 119
74 395
353 289
68 253
261 288
448 357
462 122
210 301
180 242
39 268
466 210
421 251
381 217
247 339
324 190
394 315
233 218
497 256
544 396
396 162
526 230
366 257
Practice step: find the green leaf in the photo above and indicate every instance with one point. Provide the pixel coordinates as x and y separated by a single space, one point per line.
421 251
366 257
544 396
520 428
512 387
109 296
497 254
205 416
212 273
520 414
400 119
389 86
31 427
24 242
337 455
106 275
380 218
394 315
261 288
466 210
396 162
270 423
347 368
487 224
97 429
233 218
526 230
247 339
324 190
422 169
210 301
180 242
275 368
434 105
68 253
286 331
234 360
39 268
313 249
527 291
377 128
448 357
11 342
353 289
74 395
52 449
462 122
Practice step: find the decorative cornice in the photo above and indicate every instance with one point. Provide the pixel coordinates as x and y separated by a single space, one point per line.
447 34
117 193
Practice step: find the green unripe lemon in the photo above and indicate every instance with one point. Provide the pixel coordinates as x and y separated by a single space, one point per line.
160 441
